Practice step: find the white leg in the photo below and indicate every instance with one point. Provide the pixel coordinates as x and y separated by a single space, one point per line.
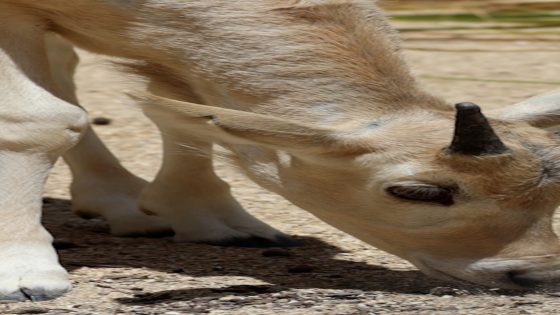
35 128
101 186
197 203
29 267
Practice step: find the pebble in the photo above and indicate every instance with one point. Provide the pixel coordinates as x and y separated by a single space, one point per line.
441 291
101 121
363 307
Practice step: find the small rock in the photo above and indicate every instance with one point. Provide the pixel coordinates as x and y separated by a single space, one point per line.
30 310
178 270
300 269
441 291
276 253
101 121
293 303
363 307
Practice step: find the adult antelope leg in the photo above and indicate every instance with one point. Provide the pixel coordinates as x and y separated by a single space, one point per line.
101 186
36 127
199 205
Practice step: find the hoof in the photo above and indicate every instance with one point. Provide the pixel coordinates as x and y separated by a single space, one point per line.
259 242
31 271
37 295
34 295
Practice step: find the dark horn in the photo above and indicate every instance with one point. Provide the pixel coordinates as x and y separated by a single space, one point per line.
473 134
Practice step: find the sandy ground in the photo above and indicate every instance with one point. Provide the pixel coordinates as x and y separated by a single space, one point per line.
332 274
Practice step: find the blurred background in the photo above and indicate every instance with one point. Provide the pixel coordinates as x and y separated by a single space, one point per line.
497 20
497 50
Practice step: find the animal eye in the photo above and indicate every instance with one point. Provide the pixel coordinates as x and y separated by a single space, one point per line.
423 192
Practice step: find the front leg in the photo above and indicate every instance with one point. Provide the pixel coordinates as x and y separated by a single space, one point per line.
29 267
35 128
199 205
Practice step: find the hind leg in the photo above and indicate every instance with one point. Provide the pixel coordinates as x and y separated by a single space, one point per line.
101 186
188 193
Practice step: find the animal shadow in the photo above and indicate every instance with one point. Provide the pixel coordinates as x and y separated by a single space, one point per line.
87 243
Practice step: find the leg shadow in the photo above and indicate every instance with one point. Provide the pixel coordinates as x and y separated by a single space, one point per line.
86 243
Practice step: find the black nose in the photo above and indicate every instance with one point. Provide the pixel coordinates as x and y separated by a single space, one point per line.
522 279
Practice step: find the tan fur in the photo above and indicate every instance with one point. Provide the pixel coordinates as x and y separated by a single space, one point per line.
313 99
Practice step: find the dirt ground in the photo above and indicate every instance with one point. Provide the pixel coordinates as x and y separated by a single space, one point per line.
333 273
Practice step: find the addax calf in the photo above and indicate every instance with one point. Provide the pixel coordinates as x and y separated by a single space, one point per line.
315 103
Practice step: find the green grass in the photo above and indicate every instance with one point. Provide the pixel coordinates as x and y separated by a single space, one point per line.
451 78
544 19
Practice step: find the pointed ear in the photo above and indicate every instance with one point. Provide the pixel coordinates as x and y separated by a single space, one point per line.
229 126
541 111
